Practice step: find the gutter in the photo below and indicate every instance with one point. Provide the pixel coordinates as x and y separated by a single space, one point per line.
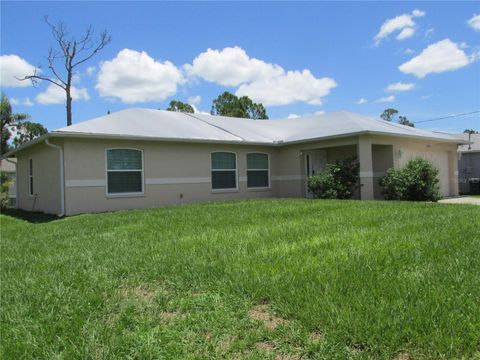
62 178
16 180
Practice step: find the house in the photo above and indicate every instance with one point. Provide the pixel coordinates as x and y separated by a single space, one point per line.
468 162
139 158
8 166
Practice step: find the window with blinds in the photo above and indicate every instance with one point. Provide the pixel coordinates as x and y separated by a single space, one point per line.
224 171
258 171
124 171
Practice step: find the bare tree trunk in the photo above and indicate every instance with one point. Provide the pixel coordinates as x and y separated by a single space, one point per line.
69 108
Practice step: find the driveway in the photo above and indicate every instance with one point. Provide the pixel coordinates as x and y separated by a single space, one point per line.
461 200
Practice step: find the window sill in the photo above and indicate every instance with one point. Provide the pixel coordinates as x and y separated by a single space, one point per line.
220 191
125 195
260 189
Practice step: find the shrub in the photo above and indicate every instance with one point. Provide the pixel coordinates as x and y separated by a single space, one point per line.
337 181
5 183
417 181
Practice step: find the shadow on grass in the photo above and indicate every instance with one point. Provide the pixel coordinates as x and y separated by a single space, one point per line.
30 216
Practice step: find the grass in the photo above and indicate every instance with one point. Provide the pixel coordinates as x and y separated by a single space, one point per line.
273 279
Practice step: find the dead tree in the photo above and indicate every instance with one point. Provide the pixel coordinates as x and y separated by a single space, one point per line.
62 62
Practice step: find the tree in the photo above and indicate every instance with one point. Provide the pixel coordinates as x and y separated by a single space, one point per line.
71 53
402 120
470 131
27 131
8 121
179 106
389 114
228 104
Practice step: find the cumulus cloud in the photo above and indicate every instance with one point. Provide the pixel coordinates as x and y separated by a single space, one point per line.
293 116
361 101
290 87
194 100
24 102
405 33
439 57
90 70
387 99
403 23
12 66
263 82
474 22
136 77
399 86
56 95
231 67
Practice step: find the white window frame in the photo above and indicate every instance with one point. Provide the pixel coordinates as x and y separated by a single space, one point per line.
236 172
30 177
268 169
124 194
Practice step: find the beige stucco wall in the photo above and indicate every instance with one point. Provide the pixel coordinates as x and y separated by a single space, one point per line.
46 179
442 155
174 173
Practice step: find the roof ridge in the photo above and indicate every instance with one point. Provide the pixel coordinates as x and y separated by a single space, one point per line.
216 126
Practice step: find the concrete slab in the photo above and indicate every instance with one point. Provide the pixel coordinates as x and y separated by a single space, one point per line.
461 200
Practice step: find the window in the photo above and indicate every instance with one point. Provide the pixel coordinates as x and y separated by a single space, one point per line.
224 171
258 173
124 171
30 177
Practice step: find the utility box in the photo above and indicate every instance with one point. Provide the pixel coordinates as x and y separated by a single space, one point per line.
474 186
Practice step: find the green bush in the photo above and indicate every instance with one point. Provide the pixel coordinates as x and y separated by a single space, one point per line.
417 181
337 181
5 183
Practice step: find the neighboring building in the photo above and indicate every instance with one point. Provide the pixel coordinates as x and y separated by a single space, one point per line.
9 168
139 158
468 162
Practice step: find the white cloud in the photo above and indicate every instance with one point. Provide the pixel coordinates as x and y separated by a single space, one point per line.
194 100
293 116
290 87
90 70
403 23
409 51
12 66
474 22
399 86
429 32
418 13
320 112
196 111
388 99
231 67
24 102
406 33
263 82
136 77
56 95
361 101
439 57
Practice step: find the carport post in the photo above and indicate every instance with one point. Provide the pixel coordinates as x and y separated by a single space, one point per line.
364 151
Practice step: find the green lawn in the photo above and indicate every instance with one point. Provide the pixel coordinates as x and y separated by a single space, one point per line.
279 279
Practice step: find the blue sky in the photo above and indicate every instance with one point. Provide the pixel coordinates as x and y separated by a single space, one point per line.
421 58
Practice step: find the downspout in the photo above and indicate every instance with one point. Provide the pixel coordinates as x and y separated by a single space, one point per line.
16 181
62 178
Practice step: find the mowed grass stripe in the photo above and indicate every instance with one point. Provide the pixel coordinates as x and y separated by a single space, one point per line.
374 279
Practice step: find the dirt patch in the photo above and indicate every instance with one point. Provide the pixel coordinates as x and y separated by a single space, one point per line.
168 315
225 345
316 336
402 355
264 314
139 293
266 346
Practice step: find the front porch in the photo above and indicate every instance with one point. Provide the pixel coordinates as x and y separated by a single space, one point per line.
374 159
